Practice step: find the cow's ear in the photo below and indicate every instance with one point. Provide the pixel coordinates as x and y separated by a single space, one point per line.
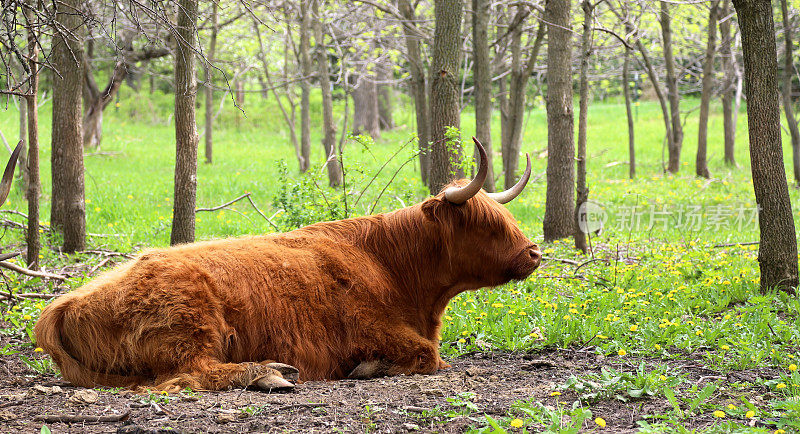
433 208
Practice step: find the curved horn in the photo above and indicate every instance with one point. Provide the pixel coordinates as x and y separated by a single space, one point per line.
459 195
8 174
511 193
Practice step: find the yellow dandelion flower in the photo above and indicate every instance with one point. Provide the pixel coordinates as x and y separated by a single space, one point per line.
780 386
622 352
750 414
555 393
792 367
600 422
719 414
516 423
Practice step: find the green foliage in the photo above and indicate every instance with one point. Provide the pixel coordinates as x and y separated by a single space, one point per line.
540 418
460 160
623 386
42 366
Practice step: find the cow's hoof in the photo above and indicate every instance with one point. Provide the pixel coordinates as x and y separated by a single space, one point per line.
369 369
273 383
289 372
269 377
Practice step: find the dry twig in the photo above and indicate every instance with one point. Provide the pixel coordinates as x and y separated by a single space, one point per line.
66 418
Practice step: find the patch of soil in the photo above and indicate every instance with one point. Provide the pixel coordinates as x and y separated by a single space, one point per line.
392 404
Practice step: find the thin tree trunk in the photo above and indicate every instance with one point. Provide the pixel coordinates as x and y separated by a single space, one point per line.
209 88
385 97
98 101
239 94
659 93
777 253
516 102
581 190
417 86
305 87
186 139
288 116
483 84
788 72
329 139
68 213
701 163
727 94
23 138
672 91
626 92
366 119
445 93
559 202
32 193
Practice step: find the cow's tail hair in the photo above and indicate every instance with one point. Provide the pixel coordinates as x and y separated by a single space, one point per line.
49 330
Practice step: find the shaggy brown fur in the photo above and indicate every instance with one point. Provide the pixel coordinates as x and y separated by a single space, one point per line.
362 296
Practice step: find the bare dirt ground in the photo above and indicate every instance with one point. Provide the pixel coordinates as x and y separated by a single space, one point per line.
396 404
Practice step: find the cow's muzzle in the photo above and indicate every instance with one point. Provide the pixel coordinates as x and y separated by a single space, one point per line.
525 263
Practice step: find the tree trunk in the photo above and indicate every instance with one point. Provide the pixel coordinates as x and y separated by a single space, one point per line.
305 88
385 104
95 100
329 139
445 93
366 119
516 102
239 94
98 100
788 72
559 202
417 86
288 115
32 193
23 138
626 92
701 163
672 91
659 93
68 213
581 190
483 84
777 253
209 88
727 93
186 139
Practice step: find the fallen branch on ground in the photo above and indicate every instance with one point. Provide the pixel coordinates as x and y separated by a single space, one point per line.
35 295
748 243
565 261
96 267
65 418
5 256
107 253
32 273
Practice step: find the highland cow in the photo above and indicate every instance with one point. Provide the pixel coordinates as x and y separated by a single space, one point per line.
356 298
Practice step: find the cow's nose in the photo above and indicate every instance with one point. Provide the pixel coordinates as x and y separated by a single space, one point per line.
536 255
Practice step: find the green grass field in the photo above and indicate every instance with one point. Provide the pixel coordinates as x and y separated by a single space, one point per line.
658 288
